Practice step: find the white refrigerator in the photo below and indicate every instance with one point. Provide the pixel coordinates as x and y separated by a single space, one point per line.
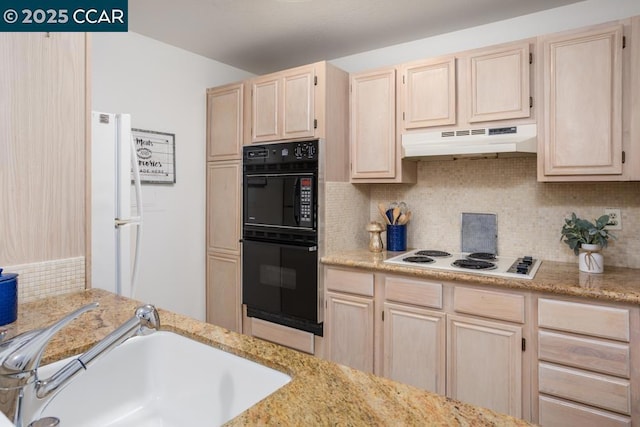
115 231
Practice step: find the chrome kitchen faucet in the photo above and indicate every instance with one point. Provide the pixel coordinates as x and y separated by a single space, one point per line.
22 394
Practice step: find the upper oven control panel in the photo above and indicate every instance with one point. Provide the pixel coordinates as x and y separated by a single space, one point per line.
281 152
306 150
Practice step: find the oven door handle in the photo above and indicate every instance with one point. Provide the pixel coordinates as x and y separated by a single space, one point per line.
313 248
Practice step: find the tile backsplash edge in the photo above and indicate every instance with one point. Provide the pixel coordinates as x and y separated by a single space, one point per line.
48 278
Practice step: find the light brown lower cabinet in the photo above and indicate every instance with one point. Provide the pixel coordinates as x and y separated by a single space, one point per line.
414 346
586 363
604 391
558 412
414 332
551 360
485 363
223 285
349 317
283 335
594 354
223 291
296 339
349 330
407 330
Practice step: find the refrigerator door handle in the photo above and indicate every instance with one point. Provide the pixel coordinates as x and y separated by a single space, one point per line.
137 220
136 178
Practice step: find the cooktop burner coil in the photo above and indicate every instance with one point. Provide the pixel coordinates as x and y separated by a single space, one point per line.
418 259
437 254
474 264
484 256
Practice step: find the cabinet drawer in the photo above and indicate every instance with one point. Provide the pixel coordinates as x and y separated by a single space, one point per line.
423 293
283 335
588 319
354 282
595 355
496 305
593 389
554 412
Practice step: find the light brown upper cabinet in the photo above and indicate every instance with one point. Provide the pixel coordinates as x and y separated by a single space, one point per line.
224 122
375 148
467 89
310 101
428 93
373 132
283 105
265 115
581 137
498 84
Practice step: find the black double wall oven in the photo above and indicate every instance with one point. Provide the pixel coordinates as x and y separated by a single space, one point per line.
280 234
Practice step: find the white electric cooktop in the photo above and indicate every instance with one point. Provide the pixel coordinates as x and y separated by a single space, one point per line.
476 263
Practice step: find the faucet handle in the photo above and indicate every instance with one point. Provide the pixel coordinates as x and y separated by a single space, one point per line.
23 352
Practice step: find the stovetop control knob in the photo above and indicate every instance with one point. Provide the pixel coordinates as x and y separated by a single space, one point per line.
522 268
527 260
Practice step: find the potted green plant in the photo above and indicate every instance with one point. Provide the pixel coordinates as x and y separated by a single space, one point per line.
587 239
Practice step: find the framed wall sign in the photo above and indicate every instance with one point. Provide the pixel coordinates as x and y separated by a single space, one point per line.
156 156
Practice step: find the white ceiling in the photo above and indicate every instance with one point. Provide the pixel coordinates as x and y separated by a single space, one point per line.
262 36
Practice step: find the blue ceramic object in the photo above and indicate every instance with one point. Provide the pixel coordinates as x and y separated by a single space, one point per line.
396 237
8 298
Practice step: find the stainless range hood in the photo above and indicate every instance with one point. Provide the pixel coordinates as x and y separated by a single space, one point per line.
472 143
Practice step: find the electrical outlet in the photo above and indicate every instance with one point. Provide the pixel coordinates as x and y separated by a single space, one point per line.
615 218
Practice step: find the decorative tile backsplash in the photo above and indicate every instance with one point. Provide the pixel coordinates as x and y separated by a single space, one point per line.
530 213
346 215
48 278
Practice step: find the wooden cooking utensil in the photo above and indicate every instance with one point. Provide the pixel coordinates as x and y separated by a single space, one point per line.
407 217
382 211
396 214
404 218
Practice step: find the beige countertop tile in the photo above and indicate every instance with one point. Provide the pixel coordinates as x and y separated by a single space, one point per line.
320 393
615 284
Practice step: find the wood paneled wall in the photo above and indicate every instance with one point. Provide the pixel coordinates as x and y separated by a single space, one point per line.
43 111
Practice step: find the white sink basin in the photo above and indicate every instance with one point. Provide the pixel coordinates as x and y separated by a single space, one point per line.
163 379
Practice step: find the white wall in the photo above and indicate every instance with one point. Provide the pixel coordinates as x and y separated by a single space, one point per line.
563 18
163 88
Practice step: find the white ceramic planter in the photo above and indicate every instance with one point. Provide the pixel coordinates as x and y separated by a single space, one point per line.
590 259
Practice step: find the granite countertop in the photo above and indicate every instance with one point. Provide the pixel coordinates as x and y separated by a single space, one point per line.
615 284
320 392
